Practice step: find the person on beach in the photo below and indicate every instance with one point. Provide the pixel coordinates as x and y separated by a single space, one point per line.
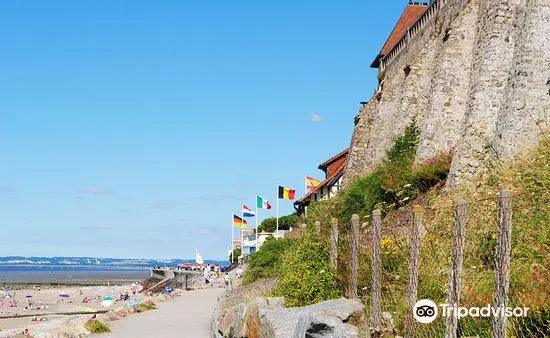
206 276
227 281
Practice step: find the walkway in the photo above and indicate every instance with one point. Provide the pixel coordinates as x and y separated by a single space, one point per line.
185 316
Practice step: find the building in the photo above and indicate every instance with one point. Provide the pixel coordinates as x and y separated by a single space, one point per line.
251 245
333 169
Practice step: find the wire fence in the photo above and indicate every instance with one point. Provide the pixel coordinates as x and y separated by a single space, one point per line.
501 257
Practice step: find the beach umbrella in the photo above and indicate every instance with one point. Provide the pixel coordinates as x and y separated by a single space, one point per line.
107 301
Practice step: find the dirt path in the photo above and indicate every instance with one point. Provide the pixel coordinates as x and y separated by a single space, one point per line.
185 316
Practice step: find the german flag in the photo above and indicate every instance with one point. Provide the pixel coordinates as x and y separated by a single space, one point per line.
286 193
239 222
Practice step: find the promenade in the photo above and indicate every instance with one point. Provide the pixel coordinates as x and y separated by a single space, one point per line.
185 316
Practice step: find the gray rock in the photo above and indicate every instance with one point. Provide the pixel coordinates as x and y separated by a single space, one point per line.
326 319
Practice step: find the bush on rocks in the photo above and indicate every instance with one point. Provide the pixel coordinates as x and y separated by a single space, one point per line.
306 276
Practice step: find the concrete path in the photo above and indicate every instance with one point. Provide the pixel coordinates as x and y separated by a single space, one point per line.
185 316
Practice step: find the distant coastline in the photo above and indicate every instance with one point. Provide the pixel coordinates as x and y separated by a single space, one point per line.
79 270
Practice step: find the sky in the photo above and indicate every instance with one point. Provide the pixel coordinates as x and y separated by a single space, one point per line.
134 128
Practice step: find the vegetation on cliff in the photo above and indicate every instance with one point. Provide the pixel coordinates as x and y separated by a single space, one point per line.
306 276
267 262
529 180
394 187
392 184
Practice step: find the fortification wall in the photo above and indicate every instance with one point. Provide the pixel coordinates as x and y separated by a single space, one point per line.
475 74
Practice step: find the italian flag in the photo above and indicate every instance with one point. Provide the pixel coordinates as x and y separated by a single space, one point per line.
262 204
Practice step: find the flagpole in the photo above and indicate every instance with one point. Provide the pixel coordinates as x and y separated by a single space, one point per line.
277 229
232 238
256 220
242 232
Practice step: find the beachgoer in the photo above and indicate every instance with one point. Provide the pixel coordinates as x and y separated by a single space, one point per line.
227 281
206 276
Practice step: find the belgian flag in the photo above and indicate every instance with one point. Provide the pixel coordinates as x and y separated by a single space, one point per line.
286 193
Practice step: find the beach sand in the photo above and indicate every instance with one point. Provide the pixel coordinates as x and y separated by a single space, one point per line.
181 314
50 297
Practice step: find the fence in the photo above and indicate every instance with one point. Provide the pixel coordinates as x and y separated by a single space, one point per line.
390 298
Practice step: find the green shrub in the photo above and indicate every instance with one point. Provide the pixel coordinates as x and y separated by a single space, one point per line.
404 145
267 261
432 171
306 276
147 306
96 327
285 223
393 183
361 196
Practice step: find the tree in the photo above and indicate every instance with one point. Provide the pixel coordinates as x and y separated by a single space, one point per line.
285 223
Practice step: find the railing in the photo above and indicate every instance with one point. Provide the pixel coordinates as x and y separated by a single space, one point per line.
429 13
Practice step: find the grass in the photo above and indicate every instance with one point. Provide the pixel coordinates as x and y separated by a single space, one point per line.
529 180
147 306
393 186
96 327
267 261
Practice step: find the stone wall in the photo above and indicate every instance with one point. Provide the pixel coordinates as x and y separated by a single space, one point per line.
476 75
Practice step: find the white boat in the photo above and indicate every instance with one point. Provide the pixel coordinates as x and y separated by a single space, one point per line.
198 257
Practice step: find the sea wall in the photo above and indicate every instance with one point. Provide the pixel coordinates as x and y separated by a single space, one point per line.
186 278
475 74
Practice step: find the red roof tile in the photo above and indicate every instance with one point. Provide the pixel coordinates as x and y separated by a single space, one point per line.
325 164
407 19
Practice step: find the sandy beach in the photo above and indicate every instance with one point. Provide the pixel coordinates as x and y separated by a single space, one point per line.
42 303
55 310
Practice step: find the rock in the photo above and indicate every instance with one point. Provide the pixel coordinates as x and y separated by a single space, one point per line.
268 318
329 319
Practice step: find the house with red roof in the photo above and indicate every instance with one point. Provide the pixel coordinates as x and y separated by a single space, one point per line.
333 169
410 15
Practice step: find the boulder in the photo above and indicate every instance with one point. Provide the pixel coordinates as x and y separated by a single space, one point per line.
331 319
268 318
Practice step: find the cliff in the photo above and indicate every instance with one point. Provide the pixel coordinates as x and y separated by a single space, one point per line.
475 73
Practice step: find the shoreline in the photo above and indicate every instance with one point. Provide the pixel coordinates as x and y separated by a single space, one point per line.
59 315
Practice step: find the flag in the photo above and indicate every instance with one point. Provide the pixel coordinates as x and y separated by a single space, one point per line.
247 212
262 204
311 183
286 193
238 222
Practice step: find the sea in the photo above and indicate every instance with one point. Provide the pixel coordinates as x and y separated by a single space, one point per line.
72 274
81 270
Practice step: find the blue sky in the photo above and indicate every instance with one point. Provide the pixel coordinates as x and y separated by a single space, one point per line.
134 128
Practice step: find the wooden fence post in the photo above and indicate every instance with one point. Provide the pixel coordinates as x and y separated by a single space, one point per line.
502 268
376 268
461 218
414 259
354 256
334 243
303 229
318 227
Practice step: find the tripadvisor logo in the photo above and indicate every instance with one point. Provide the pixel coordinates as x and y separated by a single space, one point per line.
425 311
